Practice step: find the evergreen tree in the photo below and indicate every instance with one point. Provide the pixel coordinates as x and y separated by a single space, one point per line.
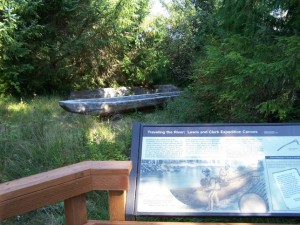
248 71
61 45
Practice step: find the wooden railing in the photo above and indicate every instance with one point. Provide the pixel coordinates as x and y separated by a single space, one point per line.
70 184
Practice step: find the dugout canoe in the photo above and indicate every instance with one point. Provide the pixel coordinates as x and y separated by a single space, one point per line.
199 197
109 106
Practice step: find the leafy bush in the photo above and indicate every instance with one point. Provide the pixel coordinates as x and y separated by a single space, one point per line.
184 109
62 45
246 71
241 80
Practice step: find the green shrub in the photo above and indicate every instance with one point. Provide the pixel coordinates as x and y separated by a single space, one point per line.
244 80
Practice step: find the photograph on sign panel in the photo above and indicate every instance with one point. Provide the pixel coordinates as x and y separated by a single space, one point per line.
202 186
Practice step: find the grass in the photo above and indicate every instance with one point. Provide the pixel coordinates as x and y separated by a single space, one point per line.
37 135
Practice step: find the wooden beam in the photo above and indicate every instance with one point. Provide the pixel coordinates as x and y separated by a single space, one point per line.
110 167
75 210
47 196
117 202
106 178
31 184
112 182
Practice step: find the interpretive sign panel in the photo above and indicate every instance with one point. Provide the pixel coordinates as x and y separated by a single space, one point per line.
219 169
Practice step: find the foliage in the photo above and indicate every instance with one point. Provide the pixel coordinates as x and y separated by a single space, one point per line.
242 85
147 62
184 109
179 42
56 46
248 70
12 51
187 28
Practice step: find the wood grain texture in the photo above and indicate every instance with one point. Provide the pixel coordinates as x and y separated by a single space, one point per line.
75 210
112 182
47 196
109 106
29 193
110 167
117 202
30 184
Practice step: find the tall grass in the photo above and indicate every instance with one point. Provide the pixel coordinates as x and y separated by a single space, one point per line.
37 135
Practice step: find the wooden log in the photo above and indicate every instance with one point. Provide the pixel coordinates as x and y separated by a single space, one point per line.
109 106
122 91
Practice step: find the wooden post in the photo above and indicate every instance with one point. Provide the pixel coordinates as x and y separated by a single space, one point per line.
117 201
75 210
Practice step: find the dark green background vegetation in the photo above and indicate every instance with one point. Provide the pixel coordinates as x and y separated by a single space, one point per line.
236 60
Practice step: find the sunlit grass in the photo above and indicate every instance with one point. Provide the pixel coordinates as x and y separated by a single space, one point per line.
102 132
17 107
37 135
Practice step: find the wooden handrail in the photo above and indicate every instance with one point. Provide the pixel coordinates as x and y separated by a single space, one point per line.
68 184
